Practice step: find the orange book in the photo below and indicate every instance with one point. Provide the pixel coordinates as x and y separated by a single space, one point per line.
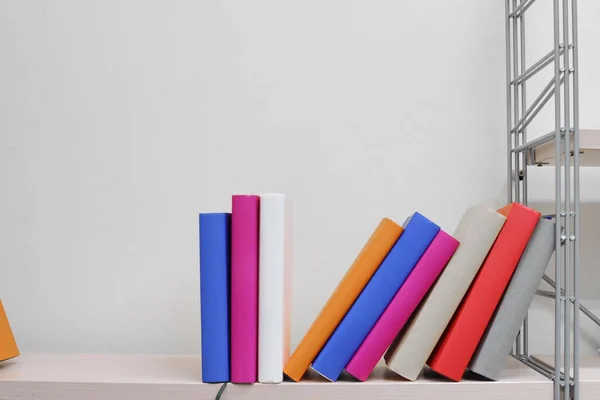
8 346
365 265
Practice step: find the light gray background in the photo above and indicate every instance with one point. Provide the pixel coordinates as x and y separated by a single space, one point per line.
121 120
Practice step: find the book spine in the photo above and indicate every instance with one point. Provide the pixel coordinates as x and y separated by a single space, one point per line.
476 232
8 345
244 288
375 297
459 342
215 232
274 287
402 305
357 276
499 338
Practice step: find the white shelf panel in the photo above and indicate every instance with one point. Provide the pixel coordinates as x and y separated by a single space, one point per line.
120 377
589 147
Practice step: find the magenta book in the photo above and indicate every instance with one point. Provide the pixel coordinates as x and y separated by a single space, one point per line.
244 288
402 305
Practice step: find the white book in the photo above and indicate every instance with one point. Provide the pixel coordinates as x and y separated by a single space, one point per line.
476 234
274 286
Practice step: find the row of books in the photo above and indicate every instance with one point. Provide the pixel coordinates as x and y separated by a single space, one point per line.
418 296
414 295
245 290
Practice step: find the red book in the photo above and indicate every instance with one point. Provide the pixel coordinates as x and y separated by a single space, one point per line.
460 339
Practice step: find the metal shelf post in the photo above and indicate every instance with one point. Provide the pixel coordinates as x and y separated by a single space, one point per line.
564 89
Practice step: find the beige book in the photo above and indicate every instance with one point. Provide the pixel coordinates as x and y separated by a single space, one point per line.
476 233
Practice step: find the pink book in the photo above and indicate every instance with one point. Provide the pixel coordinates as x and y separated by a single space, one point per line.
402 305
244 288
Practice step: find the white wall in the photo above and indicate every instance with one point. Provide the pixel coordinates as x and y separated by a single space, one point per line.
120 121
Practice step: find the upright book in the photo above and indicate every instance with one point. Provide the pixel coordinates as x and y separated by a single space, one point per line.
8 345
357 276
495 346
215 230
274 286
244 288
402 305
458 343
476 233
375 297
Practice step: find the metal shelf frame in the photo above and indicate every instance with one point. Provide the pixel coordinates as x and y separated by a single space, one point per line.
564 90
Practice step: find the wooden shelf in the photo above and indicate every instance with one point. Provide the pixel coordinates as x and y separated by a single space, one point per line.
589 149
120 377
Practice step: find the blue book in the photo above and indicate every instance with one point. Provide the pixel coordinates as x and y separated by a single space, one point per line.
215 266
418 233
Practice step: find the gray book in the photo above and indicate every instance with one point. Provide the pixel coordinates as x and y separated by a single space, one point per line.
494 347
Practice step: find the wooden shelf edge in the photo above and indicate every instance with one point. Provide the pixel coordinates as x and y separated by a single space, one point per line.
157 377
589 142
